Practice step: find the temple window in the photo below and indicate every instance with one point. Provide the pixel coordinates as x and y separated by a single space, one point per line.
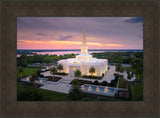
74 68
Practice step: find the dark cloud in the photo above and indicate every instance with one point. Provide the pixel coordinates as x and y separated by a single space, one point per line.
63 38
40 34
134 20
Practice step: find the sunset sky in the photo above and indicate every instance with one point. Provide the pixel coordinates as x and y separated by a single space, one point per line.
67 32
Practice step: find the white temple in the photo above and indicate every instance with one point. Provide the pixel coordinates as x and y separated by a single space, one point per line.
84 62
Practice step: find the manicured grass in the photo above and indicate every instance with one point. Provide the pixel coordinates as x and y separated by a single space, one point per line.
52 95
128 68
46 95
27 71
138 91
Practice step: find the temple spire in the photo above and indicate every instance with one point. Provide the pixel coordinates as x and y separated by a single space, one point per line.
84 36
84 48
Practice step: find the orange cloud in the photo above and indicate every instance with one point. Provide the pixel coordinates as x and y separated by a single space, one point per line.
59 44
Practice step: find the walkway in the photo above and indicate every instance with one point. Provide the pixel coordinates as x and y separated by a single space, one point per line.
109 76
63 85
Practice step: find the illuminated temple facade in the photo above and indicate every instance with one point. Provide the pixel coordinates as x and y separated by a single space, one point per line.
84 62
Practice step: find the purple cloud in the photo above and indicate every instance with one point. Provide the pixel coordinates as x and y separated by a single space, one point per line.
63 38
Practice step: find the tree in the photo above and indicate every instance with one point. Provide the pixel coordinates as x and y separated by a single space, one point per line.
22 63
53 70
33 78
21 71
119 68
92 71
138 72
75 83
47 59
137 65
77 73
38 72
60 67
75 94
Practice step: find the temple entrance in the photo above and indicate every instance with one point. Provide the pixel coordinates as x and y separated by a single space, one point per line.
72 70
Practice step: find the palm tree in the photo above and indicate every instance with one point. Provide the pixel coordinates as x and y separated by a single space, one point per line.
53 71
21 71
138 72
77 73
33 78
92 71
60 67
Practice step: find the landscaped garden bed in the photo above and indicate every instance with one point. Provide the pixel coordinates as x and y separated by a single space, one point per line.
104 83
61 73
53 79
31 84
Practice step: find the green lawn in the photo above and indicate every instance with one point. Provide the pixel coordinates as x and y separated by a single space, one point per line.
37 94
138 91
128 68
27 71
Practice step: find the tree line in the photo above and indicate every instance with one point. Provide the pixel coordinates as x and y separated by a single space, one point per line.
113 57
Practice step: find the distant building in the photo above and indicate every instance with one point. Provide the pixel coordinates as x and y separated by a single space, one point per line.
84 62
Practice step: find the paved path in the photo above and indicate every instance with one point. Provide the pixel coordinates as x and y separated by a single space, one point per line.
109 76
63 85
60 87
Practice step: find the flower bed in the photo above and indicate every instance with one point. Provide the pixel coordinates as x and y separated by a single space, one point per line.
54 79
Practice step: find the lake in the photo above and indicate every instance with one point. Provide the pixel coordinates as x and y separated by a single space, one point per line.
63 52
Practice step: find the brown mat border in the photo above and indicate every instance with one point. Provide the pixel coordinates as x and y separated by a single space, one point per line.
11 107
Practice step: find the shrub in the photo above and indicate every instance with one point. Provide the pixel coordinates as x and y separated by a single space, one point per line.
104 83
90 77
96 82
